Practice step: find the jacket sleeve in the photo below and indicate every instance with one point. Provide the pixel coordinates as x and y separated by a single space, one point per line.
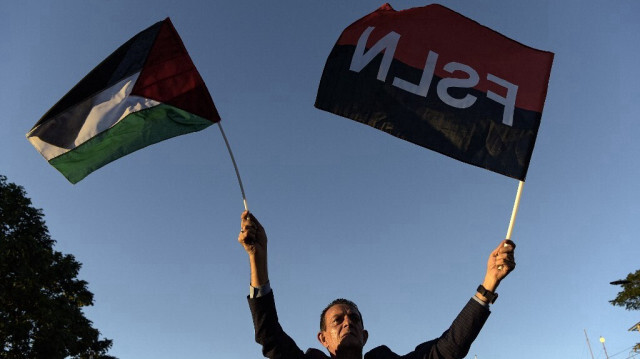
275 342
455 342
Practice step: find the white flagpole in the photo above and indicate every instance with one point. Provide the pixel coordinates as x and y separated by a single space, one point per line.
235 166
514 212
516 204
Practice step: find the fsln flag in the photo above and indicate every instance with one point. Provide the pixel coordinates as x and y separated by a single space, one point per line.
147 91
440 80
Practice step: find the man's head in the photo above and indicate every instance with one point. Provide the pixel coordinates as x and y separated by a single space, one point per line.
341 327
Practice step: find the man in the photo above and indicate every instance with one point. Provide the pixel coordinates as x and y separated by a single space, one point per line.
342 330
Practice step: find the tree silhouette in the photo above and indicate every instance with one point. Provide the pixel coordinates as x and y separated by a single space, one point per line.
629 297
41 299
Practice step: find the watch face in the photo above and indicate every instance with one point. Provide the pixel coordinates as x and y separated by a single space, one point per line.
494 296
491 296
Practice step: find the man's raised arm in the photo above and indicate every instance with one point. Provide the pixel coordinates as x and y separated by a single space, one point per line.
275 342
456 341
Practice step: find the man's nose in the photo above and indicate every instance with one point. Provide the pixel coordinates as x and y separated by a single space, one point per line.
347 321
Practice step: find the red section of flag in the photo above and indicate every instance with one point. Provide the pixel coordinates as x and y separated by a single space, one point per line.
456 38
169 76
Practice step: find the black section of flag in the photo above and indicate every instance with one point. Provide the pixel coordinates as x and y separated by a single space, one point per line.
475 135
125 61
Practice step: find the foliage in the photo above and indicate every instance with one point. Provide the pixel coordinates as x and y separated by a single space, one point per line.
41 299
629 297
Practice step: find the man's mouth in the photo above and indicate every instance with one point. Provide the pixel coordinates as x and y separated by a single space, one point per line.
348 333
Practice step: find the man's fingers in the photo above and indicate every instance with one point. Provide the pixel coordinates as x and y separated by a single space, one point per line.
247 230
253 220
247 234
507 244
507 266
244 236
503 256
247 239
252 234
249 221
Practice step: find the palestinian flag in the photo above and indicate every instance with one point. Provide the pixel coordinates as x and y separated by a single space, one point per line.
147 91
440 80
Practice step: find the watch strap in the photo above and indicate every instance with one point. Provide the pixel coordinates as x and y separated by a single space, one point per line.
491 296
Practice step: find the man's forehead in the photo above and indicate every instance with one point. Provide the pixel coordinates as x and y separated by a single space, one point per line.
340 308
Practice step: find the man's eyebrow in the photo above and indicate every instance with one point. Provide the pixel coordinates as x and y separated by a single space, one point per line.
349 313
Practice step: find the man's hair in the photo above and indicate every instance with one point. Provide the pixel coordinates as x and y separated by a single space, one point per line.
323 325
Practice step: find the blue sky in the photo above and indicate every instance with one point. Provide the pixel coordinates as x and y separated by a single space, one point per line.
350 211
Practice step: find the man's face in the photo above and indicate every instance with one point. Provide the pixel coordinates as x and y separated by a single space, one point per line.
343 329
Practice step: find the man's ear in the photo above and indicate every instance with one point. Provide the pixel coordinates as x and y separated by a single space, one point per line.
365 336
322 339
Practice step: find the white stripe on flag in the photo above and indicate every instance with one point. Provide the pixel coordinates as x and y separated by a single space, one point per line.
101 111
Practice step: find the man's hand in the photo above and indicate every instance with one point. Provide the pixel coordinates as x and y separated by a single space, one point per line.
252 235
254 241
501 262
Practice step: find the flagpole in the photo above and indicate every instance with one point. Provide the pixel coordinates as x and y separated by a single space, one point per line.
514 212
235 166
516 204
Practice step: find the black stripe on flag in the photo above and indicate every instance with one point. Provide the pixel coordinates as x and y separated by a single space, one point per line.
475 135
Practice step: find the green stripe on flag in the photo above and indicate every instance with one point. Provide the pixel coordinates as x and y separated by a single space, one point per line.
136 131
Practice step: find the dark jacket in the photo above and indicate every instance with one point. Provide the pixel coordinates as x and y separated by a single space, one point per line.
453 344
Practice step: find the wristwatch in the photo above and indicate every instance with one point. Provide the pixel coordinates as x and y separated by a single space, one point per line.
491 296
